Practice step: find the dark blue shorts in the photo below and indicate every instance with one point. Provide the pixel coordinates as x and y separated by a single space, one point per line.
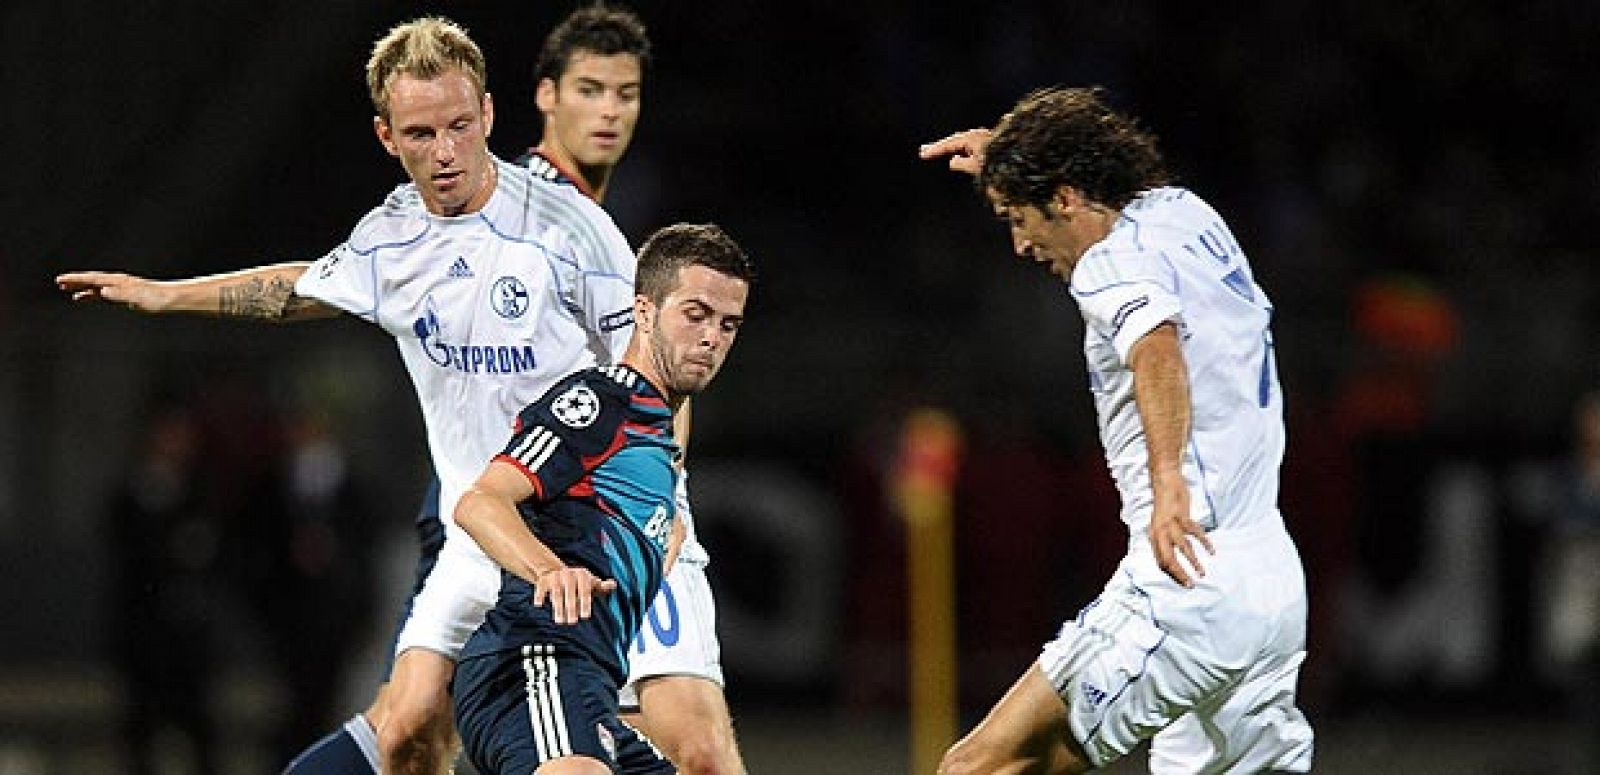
516 711
430 539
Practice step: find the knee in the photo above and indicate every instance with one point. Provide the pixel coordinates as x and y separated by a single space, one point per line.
414 740
965 758
708 755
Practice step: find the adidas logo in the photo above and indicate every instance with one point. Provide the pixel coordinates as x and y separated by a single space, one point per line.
459 269
542 168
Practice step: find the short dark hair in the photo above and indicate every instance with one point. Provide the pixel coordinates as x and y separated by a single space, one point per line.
597 29
1068 137
681 245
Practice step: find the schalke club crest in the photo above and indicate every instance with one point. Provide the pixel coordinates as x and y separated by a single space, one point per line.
509 297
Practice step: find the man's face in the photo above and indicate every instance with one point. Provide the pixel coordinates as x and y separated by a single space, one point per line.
439 130
695 326
1048 238
590 114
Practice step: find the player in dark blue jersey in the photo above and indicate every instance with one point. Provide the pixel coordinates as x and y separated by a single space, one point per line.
579 512
590 78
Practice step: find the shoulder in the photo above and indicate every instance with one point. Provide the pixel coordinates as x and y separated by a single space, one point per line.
400 220
1135 251
1167 215
1112 264
544 169
579 399
551 200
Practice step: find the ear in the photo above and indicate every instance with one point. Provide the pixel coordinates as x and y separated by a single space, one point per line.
385 135
488 113
1066 200
644 318
544 95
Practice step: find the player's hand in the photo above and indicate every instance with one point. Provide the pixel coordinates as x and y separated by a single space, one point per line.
571 592
135 293
964 149
1173 534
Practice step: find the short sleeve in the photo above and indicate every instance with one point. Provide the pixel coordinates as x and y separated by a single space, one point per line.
346 277
565 435
1124 296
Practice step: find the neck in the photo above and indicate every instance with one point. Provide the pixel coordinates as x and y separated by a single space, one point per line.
1103 219
591 179
652 374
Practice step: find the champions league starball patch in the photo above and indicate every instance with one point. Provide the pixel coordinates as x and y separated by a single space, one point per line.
578 407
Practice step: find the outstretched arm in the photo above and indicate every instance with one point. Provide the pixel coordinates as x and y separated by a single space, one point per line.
1161 390
261 293
964 149
488 513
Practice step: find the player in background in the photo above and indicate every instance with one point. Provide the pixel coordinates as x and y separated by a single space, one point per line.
589 86
593 467
1198 652
590 77
494 284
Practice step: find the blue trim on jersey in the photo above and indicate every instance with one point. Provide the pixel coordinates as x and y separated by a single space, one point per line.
1135 225
371 254
553 256
1119 284
1200 463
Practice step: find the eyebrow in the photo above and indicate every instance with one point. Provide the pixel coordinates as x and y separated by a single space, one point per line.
584 80
708 308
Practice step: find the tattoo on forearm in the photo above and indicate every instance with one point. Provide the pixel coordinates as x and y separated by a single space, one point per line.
256 298
298 306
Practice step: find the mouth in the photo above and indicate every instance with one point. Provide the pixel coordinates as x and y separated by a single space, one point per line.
606 139
448 179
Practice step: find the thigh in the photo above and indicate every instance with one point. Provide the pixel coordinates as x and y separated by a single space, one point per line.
1123 677
517 712
456 594
677 710
1253 726
430 540
417 696
678 636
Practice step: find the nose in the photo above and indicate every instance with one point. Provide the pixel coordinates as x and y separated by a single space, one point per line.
714 337
1021 245
444 149
611 106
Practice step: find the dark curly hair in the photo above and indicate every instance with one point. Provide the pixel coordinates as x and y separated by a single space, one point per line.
597 29
1062 136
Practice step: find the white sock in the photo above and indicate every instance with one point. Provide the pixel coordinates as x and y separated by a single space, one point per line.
366 738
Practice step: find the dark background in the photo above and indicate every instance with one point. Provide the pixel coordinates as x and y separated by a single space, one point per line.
1414 183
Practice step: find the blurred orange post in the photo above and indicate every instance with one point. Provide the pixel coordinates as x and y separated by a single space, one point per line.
924 480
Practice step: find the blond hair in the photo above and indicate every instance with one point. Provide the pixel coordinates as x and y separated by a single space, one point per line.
423 48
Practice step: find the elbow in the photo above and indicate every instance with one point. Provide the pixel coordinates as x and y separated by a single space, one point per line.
467 515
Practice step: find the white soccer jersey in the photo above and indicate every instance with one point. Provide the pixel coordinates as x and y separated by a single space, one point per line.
488 309
1170 257
1213 666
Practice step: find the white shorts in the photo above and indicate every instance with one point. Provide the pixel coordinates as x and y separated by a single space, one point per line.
679 633
463 585
1209 673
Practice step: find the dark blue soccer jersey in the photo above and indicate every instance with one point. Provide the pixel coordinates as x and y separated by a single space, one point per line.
599 451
